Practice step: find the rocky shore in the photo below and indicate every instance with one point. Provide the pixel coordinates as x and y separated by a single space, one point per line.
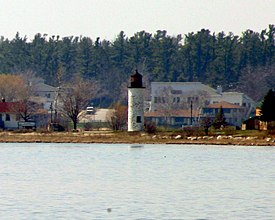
134 138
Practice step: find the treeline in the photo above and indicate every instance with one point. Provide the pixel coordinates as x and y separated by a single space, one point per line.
211 58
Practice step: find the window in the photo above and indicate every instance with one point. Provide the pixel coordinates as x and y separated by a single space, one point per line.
8 118
179 119
208 110
138 119
227 110
176 92
176 100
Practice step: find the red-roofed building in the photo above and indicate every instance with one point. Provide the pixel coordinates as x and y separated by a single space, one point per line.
8 117
175 118
234 114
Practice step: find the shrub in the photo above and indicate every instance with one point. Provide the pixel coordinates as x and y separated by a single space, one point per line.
88 126
271 127
192 131
150 127
229 130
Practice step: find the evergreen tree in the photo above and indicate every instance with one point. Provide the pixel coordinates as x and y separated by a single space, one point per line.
220 120
213 59
268 107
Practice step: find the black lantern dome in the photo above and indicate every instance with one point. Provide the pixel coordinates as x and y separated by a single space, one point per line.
136 80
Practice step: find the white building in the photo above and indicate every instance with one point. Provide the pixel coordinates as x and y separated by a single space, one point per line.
97 115
180 95
44 94
8 117
168 96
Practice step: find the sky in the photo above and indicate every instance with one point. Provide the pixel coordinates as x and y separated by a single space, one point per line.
106 18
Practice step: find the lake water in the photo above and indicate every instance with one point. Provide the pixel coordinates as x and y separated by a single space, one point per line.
99 181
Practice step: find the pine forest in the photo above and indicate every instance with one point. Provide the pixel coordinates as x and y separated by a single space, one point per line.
237 63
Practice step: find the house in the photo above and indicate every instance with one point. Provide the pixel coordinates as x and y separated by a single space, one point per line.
175 118
8 117
44 94
255 122
180 95
168 96
236 98
252 123
233 113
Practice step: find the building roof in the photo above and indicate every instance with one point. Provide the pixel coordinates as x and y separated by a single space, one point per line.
7 107
223 105
173 113
100 114
42 87
187 86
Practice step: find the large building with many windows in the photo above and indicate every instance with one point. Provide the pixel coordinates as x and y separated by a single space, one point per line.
194 96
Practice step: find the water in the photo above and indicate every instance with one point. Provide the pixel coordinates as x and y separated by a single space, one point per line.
97 181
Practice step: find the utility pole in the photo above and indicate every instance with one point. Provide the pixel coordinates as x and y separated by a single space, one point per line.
51 108
191 107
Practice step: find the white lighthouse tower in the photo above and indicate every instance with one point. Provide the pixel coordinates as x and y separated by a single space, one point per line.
135 103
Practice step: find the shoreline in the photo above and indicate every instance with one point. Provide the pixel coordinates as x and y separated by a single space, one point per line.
109 137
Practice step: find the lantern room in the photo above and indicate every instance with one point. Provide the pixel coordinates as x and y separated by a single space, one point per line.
136 80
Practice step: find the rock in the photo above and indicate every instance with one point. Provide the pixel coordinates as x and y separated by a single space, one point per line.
178 137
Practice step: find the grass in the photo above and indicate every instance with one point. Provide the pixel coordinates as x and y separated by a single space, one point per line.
163 137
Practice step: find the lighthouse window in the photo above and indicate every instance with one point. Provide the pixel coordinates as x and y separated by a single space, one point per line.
138 119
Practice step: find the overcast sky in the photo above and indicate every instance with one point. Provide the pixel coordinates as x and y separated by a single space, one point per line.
106 18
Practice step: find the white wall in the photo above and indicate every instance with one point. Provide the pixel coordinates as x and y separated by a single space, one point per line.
135 109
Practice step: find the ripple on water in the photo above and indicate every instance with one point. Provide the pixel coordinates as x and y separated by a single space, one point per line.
90 181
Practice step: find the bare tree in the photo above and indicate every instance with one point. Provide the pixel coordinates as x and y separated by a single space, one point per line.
256 82
25 109
118 118
169 101
206 123
75 96
14 88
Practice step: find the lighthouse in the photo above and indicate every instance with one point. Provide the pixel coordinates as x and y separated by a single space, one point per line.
135 103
